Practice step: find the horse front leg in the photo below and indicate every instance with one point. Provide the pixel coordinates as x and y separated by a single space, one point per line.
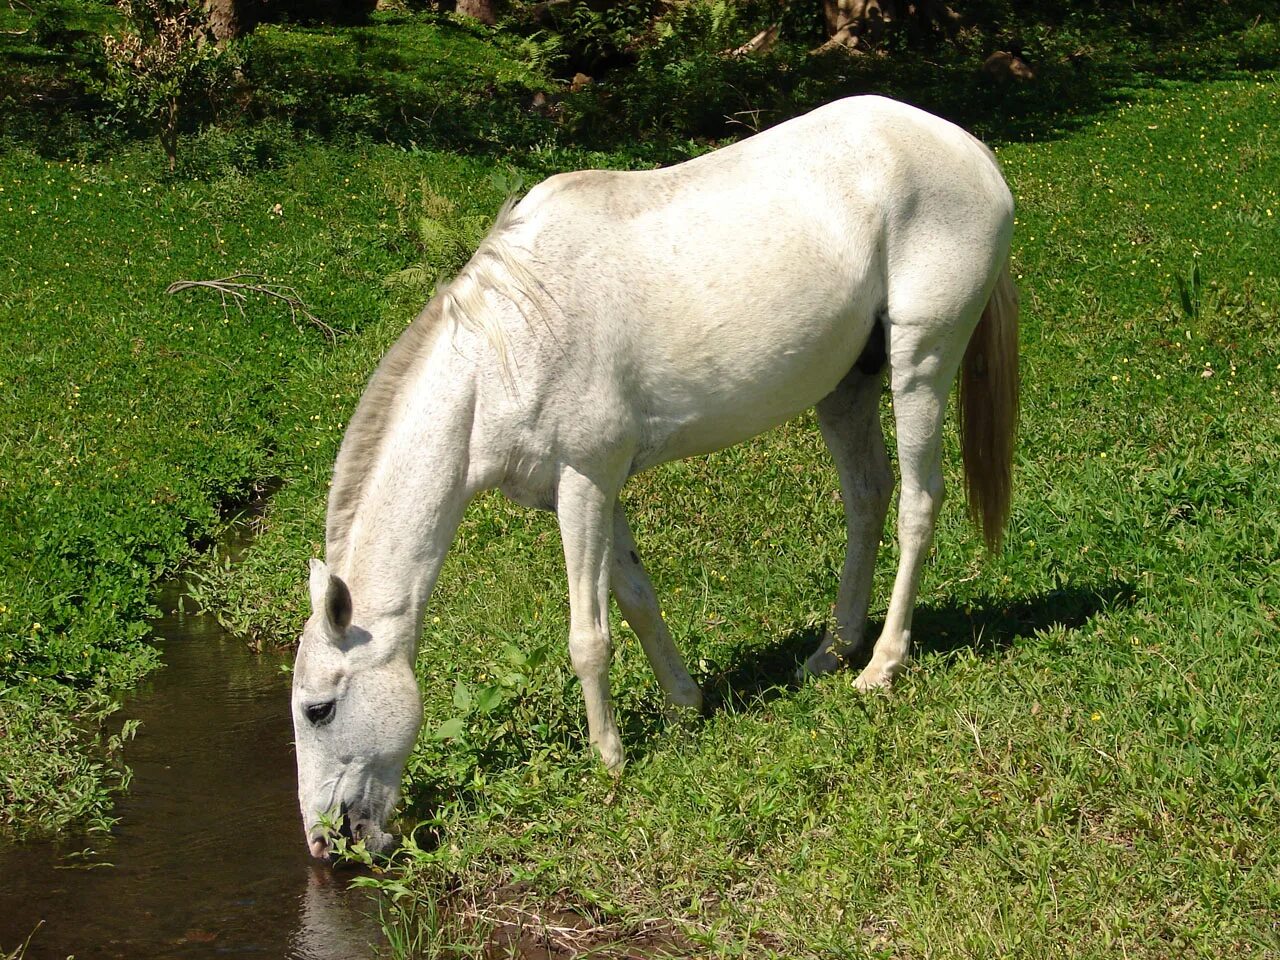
585 511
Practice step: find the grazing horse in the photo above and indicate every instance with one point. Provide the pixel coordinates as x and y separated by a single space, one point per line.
613 321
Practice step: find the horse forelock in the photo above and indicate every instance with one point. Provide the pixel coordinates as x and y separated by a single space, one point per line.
494 267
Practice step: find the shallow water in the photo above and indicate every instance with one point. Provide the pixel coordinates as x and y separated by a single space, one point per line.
208 858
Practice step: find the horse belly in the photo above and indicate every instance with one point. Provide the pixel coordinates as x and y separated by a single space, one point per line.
711 392
774 317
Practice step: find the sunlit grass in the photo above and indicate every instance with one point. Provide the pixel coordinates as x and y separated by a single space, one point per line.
1081 762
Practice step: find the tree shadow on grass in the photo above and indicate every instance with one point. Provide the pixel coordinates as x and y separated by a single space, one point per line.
428 81
436 85
985 627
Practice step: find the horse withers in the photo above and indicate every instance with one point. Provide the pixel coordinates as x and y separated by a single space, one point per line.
614 321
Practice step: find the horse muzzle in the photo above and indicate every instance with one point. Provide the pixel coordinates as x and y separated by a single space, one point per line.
321 841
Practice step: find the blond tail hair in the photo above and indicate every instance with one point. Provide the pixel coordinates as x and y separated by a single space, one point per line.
988 408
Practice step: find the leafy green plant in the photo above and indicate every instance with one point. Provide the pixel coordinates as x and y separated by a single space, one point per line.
542 50
595 34
160 62
474 702
441 239
493 715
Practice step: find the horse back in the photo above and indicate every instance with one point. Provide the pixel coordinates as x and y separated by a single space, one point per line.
724 295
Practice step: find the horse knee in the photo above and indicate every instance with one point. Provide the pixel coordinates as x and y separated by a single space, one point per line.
880 486
589 652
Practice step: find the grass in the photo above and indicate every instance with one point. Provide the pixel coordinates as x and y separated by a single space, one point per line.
137 421
1081 763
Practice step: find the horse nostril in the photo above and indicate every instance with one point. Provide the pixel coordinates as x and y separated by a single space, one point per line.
357 832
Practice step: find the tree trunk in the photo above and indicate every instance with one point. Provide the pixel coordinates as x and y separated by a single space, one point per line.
861 25
858 24
486 11
229 19
169 132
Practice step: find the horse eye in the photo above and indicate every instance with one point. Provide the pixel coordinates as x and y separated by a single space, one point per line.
320 713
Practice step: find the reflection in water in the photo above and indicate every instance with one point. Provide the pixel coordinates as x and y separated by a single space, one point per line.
208 858
324 926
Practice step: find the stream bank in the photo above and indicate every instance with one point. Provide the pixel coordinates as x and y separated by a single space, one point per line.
207 856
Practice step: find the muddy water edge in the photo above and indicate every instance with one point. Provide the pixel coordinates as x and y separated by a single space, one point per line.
207 858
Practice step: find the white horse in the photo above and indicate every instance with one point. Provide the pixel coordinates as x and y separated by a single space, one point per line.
614 321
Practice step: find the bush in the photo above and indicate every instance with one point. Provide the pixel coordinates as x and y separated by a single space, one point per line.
442 240
160 63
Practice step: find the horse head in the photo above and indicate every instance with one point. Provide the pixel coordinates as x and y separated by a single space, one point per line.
356 714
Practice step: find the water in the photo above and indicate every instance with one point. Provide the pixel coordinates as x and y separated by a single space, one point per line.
208 859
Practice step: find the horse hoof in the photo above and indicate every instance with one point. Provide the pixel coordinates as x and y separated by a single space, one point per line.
612 757
874 678
822 662
685 700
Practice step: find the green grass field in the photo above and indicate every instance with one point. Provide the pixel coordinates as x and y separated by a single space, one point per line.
1081 761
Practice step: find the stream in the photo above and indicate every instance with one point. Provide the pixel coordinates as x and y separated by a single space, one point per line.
208 857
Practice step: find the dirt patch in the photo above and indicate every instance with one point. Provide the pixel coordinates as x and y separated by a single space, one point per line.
514 924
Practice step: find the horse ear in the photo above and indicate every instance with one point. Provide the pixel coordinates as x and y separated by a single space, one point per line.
330 597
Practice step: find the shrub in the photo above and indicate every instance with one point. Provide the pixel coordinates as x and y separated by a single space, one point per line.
440 237
160 62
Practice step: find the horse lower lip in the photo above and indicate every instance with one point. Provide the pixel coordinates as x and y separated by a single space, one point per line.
319 848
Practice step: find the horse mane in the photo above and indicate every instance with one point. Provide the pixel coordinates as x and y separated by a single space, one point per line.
493 268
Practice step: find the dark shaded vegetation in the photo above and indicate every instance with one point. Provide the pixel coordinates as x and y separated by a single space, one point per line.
1085 58
661 82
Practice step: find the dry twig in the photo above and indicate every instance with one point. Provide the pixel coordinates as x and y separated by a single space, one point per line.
237 289
760 44
570 932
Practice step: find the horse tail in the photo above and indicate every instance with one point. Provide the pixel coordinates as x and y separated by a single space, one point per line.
988 410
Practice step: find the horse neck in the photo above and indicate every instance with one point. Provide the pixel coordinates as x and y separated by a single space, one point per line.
415 491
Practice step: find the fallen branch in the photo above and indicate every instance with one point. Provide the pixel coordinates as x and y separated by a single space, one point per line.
845 40
574 935
760 44
235 288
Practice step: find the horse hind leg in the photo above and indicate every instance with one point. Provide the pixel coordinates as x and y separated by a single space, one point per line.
639 605
923 360
849 419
